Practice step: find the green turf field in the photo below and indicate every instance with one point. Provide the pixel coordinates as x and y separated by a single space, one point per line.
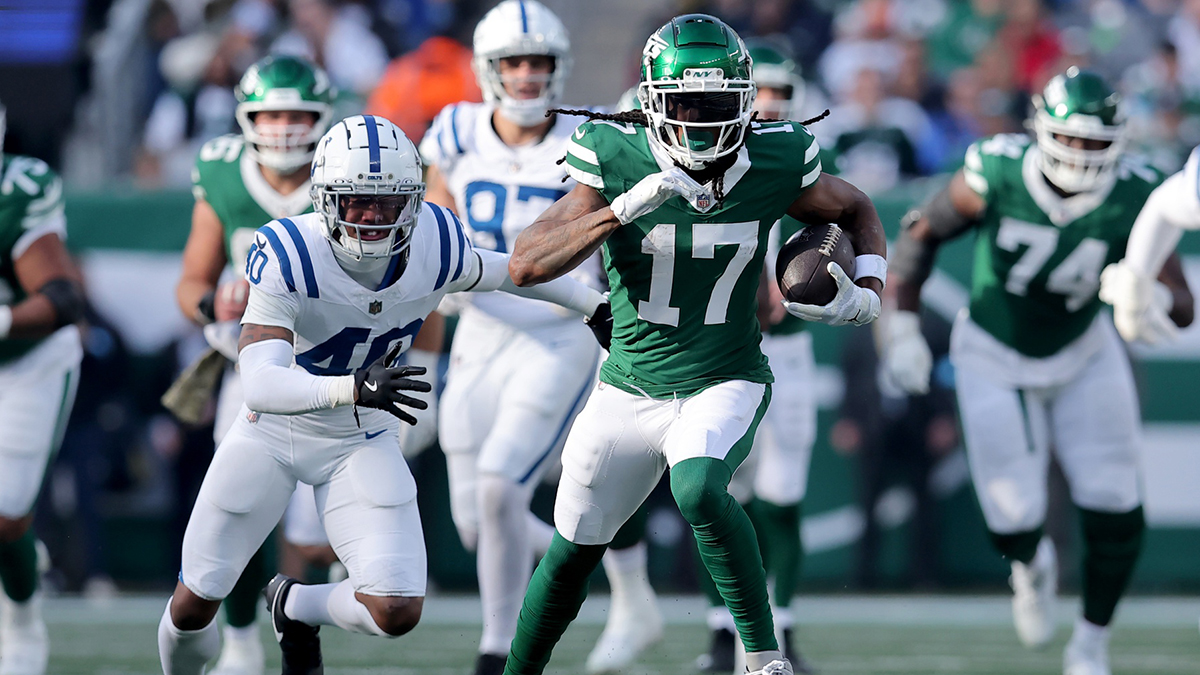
902 635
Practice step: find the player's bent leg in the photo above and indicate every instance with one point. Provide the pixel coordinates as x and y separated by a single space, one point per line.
504 558
187 634
241 647
634 622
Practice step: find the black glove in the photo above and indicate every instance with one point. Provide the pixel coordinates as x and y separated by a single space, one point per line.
378 386
601 323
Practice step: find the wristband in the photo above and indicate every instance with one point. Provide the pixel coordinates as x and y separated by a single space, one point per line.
5 320
206 312
870 265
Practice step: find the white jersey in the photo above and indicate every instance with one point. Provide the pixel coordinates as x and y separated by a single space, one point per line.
500 190
339 325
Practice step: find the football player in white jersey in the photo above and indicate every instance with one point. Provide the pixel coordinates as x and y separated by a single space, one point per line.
520 369
1141 303
335 297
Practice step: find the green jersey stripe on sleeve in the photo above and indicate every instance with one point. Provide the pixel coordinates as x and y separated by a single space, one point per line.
583 175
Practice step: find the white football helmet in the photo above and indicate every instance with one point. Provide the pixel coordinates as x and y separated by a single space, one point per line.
519 28
367 183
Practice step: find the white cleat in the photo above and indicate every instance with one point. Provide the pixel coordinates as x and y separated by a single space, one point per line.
24 643
1035 587
1087 652
241 654
628 632
780 667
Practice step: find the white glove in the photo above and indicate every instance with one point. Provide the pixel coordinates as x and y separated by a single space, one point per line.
852 304
907 360
1141 305
223 336
414 438
651 191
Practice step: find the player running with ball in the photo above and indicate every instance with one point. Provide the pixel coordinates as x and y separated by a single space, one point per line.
681 198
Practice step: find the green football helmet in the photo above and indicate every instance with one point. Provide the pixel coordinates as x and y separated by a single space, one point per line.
1079 104
696 89
774 68
284 83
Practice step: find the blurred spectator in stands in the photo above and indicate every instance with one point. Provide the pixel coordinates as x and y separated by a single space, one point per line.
897 440
337 37
406 24
865 40
958 120
1163 125
197 106
416 86
965 29
1112 33
1031 42
806 25
880 139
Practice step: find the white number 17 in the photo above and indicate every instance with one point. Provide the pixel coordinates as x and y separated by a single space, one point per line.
706 237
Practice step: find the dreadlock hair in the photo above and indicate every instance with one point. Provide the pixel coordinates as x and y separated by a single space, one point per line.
626 116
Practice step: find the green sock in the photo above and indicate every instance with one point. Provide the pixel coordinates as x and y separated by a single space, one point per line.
556 592
704 580
18 567
1112 542
633 531
1021 546
728 546
778 530
242 603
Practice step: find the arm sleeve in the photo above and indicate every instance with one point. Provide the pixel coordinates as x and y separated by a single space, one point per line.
271 385
488 271
1172 207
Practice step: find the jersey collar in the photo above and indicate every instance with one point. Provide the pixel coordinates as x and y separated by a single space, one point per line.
734 174
1061 211
275 204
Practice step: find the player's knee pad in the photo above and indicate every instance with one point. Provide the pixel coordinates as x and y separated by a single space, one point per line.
700 487
1113 535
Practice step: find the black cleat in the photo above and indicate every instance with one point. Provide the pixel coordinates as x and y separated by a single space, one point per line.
490 664
800 665
299 642
719 658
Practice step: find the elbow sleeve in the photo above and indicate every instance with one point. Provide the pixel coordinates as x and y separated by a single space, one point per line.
67 299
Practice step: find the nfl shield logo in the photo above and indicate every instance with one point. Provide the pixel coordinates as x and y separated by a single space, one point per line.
375 307
703 202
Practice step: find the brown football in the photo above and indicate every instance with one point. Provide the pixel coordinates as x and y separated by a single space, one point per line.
802 266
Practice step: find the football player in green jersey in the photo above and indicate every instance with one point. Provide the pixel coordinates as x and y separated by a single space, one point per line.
681 197
1036 364
40 351
771 483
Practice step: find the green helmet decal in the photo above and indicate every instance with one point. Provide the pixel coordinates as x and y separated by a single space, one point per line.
696 89
1080 130
284 83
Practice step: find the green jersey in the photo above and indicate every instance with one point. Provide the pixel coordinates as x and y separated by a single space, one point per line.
684 283
1038 255
229 179
31 206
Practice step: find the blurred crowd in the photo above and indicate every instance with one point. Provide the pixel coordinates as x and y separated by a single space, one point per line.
910 82
137 86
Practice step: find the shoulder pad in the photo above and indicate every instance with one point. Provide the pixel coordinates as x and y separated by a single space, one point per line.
451 135
279 260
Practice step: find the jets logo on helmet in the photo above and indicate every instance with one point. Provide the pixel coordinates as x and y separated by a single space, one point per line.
283 83
696 89
1080 130
367 184
521 28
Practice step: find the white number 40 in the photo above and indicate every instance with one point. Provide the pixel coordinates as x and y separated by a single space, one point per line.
706 237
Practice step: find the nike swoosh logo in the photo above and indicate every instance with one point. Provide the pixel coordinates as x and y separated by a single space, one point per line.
373 435
371 385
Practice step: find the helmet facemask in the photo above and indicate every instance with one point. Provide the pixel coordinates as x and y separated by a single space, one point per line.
391 214
284 148
699 118
1074 169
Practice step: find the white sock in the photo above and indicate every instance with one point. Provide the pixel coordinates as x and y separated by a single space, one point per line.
309 603
783 618
1086 630
345 611
23 613
184 652
242 634
504 559
759 660
720 618
540 533
628 577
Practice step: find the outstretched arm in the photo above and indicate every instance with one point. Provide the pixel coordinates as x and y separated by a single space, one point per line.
565 235
491 273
